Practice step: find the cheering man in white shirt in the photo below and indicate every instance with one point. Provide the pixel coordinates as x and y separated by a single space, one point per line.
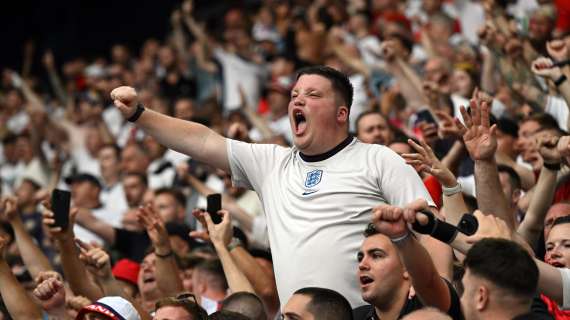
317 195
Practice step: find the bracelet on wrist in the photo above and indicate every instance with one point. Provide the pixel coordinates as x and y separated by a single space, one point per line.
552 166
138 112
164 256
401 239
560 80
451 191
236 242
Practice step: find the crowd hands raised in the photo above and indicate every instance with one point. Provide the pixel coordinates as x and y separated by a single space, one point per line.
480 111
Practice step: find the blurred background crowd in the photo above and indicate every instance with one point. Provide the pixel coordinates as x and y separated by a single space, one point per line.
230 65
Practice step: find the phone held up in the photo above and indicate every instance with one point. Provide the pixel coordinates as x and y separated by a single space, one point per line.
60 202
214 205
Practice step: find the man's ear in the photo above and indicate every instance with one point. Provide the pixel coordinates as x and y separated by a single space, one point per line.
517 193
342 114
482 298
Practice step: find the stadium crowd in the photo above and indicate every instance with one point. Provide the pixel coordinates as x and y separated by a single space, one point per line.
377 159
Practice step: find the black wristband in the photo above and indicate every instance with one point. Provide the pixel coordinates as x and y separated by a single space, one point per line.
468 224
140 109
164 256
560 80
436 228
552 166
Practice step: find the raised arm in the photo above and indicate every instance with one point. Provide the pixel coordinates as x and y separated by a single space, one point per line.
262 280
16 299
73 270
221 235
481 143
392 222
167 271
191 138
228 202
87 220
33 257
98 263
533 222
50 293
54 79
453 204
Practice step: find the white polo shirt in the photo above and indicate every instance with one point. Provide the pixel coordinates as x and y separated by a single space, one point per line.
316 211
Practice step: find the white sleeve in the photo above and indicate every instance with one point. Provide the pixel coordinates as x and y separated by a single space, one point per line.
565 273
399 183
558 108
250 163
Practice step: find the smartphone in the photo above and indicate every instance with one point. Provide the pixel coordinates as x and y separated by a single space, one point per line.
60 201
425 116
214 205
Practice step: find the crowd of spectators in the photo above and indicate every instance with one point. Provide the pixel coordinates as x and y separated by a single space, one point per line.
473 95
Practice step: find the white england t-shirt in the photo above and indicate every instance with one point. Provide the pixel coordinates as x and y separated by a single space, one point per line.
317 211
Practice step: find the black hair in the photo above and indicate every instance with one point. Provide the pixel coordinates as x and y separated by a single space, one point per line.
370 230
245 303
176 194
514 178
561 220
326 304
215 272
545 120
506 264
508 126
339 81
9 138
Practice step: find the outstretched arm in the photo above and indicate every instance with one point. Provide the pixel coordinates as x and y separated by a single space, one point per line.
392 222
98 263
533 222
481 143
73 270
221 235
166 268
17 301
453 204
34 259
191 138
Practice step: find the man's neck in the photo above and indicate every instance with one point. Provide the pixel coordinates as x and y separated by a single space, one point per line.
214 295
391 311
329 152
508 313
110 180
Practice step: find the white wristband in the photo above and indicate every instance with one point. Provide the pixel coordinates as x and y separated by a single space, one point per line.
451 191
401 238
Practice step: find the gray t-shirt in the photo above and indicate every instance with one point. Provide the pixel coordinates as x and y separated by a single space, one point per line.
317 211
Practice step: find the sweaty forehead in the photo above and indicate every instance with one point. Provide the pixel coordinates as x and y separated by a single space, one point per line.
312 81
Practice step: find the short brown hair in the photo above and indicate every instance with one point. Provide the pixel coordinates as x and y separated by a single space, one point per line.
186 301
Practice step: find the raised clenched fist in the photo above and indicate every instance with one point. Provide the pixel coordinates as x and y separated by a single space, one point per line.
126 99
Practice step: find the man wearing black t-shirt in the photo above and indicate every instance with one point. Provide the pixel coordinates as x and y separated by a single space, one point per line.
391 260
